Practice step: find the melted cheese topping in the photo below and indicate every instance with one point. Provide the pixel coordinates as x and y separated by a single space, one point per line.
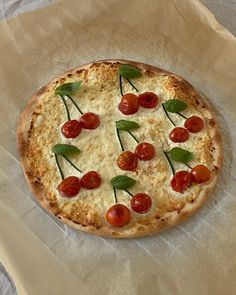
100 148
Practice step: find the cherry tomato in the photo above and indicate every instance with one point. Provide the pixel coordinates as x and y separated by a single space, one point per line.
69 187
141 203
129 104
181 181
127 161
148 100
118 215
89 121
194 124
91 180
145 151
200 174
71 129
179 134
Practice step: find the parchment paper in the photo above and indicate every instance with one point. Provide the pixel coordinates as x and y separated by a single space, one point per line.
45 257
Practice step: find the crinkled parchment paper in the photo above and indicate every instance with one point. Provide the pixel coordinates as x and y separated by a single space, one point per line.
46 257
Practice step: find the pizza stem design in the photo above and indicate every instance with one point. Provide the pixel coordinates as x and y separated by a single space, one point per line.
182 115
133 136
169 161
66 107
135 88
188 165
167 114
120 84
59 167
72 164
75 104
129 193
121 144
115 195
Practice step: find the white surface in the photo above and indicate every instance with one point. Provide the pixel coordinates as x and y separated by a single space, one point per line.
224 11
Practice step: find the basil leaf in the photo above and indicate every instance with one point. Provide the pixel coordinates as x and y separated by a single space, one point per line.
65 149
180 155
175 105
68 88
122 182
126 125
129 72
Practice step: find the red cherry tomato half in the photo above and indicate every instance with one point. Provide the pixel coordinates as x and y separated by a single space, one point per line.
89 121
141 203
71 129
91 180
129 104
145 151
200 174
179 134
148 100
69 187
127 161
194 124
181 181
118 215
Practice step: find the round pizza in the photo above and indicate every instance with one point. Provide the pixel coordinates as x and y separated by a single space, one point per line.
119 148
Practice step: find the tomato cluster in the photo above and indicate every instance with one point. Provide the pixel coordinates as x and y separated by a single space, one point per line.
193 124
128 161
70 186
130 102
119 215
73 128
183 179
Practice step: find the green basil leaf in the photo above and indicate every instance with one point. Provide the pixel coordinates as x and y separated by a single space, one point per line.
126 125
175 105
122 182
180 155
129 72
65 149
68 88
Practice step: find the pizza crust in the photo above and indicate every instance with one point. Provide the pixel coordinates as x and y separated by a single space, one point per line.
158 223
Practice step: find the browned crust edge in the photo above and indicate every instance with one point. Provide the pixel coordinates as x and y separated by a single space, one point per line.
171 219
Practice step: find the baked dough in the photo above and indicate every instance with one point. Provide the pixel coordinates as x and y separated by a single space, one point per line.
38 131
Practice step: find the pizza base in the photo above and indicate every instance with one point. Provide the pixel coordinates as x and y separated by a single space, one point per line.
157 223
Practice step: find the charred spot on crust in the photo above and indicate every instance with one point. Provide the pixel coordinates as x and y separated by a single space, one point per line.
215 168
115 233
37 182
69 75
180 208
61 80
41 90
107 63
197 101
79 71
30 128
192 200
157 217
29 174
212 122
149 73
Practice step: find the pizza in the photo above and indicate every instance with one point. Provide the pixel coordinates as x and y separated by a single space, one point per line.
119 149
